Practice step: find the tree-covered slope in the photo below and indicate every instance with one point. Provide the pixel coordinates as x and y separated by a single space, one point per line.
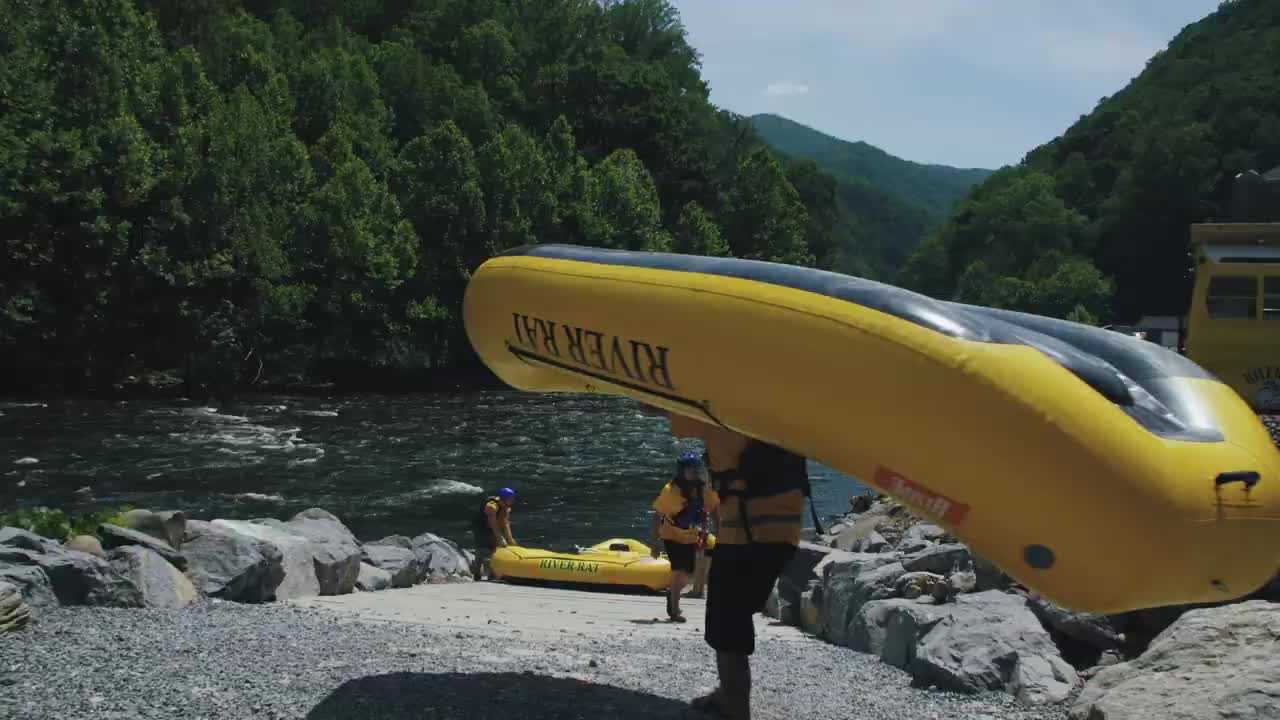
1098 218
242 190
887 203
932 187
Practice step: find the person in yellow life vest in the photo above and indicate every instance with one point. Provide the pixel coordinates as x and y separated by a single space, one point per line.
680 522
762 490
491 527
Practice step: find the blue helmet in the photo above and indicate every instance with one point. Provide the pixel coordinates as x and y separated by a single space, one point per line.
689 458
506 493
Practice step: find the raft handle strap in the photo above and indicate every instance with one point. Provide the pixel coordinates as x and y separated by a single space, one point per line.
1248 477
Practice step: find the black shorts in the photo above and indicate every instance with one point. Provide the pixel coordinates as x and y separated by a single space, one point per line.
738 587
681 555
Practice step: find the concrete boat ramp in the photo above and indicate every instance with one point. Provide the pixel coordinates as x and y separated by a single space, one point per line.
533 611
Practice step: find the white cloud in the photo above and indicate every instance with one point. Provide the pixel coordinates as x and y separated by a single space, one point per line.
783 89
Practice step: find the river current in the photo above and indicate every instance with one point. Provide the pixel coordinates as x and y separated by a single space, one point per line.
585 467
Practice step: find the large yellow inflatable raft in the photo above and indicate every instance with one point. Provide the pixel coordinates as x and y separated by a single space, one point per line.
618 561
1102 471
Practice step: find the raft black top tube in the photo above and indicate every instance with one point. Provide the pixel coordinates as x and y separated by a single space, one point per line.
1111 364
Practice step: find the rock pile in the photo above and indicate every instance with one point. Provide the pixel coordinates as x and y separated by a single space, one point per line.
881 581
165 559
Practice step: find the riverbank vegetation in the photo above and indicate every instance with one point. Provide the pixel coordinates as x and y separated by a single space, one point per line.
241 192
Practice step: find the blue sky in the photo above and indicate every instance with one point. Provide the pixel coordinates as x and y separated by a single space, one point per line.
972 83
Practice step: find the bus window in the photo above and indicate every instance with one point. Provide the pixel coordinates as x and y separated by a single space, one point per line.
1271 298
1233 297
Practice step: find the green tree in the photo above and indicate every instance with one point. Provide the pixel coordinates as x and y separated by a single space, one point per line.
696 234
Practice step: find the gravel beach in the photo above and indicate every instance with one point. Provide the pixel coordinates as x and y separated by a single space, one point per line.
222 660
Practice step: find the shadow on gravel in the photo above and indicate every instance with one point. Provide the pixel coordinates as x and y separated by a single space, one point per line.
485 696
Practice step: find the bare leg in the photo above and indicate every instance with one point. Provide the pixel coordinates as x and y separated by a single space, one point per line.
678 581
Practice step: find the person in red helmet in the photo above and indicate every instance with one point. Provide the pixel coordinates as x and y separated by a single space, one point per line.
492 529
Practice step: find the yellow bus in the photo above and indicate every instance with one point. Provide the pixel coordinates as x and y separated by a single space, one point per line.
1233 324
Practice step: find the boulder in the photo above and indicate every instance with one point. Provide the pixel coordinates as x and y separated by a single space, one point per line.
940 559
848 581
913 585
919 537
297 556
75 578
26 540
442 558
372 579
114 536
335 553
230 565
892 628
169 527
1220 662
403 565
32 582
992 641
14 612
1082 637
874 542
159 583
799 575
859 503
323 527
86 544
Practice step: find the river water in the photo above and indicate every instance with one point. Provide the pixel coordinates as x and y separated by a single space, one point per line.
585 467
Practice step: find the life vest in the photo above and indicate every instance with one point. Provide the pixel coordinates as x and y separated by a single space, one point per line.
765 470
693 512
480 521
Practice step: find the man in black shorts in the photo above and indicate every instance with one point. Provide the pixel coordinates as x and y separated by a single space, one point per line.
679 522
762 491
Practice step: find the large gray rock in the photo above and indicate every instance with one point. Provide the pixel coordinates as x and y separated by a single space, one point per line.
940 559
27 540
14 611
403 565
920 537
230 565
799 576
442 558
75 578
159 583
169 526
335 554
1211 664
848 581
297 556
114 536
874 542
1090 635
372 579
991 641
33 582
892 628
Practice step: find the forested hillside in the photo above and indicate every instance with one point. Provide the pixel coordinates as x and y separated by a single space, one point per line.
1098 218
886 205
241 191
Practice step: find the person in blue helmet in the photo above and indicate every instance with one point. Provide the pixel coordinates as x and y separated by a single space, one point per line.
680 515
492 529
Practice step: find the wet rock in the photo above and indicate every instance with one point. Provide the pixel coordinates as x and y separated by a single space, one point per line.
992 641
159 583
372 579
1220 662
230 565
114 536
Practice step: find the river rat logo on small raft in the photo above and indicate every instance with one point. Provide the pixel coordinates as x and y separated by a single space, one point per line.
920 497
563 344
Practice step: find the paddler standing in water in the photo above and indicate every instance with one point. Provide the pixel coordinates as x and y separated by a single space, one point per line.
762 489
492 529
680 523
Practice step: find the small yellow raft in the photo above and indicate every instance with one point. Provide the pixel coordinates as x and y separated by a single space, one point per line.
1102 471
617 561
